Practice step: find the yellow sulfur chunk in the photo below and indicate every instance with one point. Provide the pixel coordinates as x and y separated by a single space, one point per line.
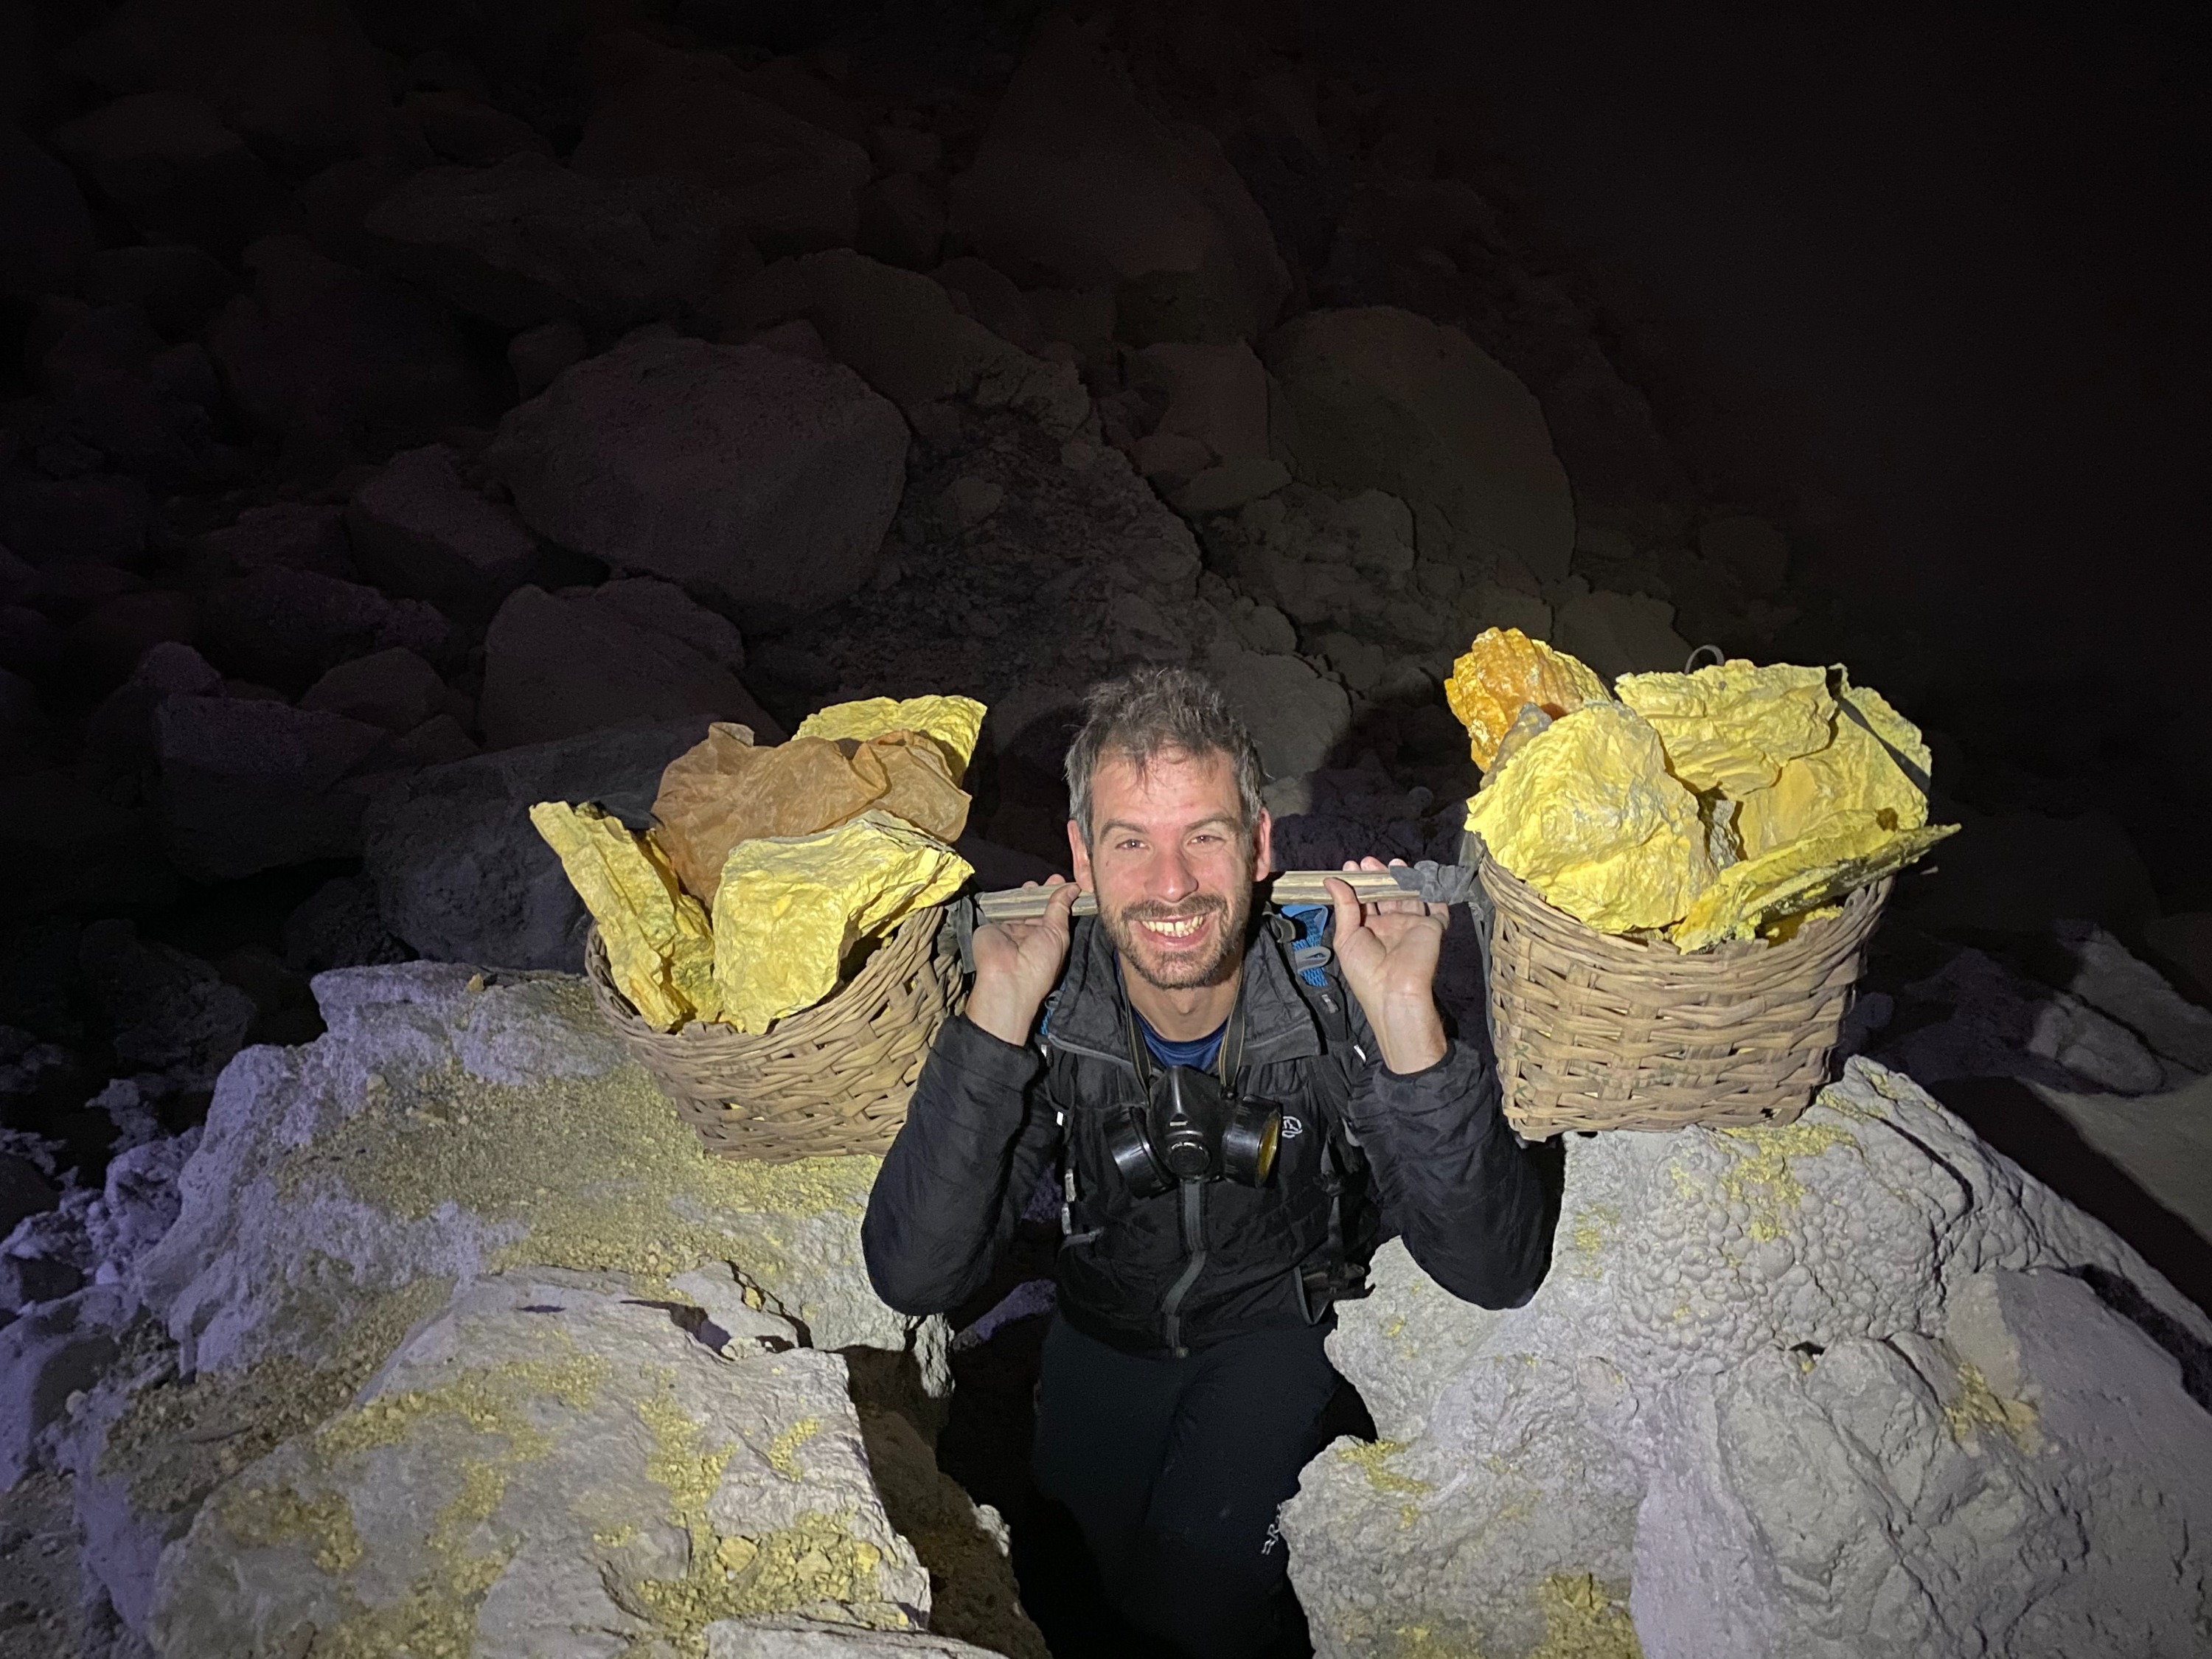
1849 850
951 722
789 909
1734 726
1505 671
1588 815
1854 772
659 950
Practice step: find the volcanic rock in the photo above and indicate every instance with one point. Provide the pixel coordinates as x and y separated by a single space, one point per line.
1076 180
1771 1371
1376 397
461 876
558 665
761 482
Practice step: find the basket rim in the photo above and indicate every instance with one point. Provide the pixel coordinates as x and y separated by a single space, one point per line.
888 954
1663 954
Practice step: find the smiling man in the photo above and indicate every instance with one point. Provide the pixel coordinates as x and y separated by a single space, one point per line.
1228 1134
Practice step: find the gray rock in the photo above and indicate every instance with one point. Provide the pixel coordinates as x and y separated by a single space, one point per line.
51 1353
638 1484
527 241
330 361
170 1012
2162 1141
558 666
1217 394
416 528
1618 634
761 482
288 628
179 286
460 874
1332 565
664 608
46 228
899 330
2103 973
662 113
249 784
1076 177
789 1638
1296 717
338 926
1822 1390
294 535
901 221
394 688
595 1397
168 162
1378 398
1753 550
23 1191
536 354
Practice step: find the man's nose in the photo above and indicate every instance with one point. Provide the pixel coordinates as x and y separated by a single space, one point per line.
1173 879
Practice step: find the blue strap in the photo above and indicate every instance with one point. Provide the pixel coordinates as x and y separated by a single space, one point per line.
1308 954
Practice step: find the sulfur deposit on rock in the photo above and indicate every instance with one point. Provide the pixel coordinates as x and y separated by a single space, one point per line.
551 1465
483 1147
1857 1386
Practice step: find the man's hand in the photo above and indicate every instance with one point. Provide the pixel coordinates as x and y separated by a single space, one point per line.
1018 963
1388 951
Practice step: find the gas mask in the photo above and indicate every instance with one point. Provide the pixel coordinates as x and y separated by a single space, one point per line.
1192 1129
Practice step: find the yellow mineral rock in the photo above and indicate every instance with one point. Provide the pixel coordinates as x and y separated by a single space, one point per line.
1855 771
1846 852
1588 815
789 909
1504 670
658 948
1734 726
952 722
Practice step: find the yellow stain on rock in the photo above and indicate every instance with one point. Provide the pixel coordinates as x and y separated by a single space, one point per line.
1373 1458
782 1454
1762 1178
1980 1407
1592 1227
596 1174
1584 1619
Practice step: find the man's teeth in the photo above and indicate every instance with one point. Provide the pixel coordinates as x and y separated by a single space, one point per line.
1183 928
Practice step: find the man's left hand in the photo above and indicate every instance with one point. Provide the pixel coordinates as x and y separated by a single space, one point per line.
1388 951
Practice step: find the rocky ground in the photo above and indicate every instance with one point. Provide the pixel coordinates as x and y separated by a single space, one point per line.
410 412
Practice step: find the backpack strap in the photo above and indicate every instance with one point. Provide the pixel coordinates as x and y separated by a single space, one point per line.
1338 1271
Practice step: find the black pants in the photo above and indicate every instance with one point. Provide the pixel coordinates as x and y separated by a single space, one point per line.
1174 1470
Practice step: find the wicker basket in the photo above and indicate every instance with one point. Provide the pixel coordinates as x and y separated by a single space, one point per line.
1597 1032
828 1079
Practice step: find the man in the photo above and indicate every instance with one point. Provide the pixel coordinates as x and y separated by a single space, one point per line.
1184 1375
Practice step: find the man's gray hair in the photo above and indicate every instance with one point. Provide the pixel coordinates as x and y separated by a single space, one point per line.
1151 712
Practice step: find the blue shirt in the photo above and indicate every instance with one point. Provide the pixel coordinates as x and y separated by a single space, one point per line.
1198 1052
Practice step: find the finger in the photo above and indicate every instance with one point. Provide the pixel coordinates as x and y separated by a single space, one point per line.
1352 864
1370 862
1347 903
1062 903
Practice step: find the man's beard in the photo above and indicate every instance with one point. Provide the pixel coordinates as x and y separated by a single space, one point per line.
1180 972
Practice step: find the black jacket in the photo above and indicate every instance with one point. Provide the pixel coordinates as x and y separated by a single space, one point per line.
989 1119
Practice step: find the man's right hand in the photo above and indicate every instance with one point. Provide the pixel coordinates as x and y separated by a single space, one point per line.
1016 965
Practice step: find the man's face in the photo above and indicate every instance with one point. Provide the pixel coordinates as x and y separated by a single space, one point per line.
1172 865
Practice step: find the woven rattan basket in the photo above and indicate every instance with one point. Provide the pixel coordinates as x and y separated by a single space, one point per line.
828 1079
1598 1032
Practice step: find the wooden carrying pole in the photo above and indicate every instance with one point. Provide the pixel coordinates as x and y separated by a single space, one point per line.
1290 887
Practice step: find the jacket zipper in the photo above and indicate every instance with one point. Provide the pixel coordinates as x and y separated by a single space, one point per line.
1193 1240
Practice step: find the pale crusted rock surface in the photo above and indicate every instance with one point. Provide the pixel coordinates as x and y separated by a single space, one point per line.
551 1468
761 482
1373 398
796 1638
1855 1386
632 1370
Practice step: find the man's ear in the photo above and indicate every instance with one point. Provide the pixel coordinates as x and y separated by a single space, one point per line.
1079 853
1263 846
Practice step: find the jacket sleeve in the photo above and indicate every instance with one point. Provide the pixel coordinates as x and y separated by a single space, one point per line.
1454 1181
977 1136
